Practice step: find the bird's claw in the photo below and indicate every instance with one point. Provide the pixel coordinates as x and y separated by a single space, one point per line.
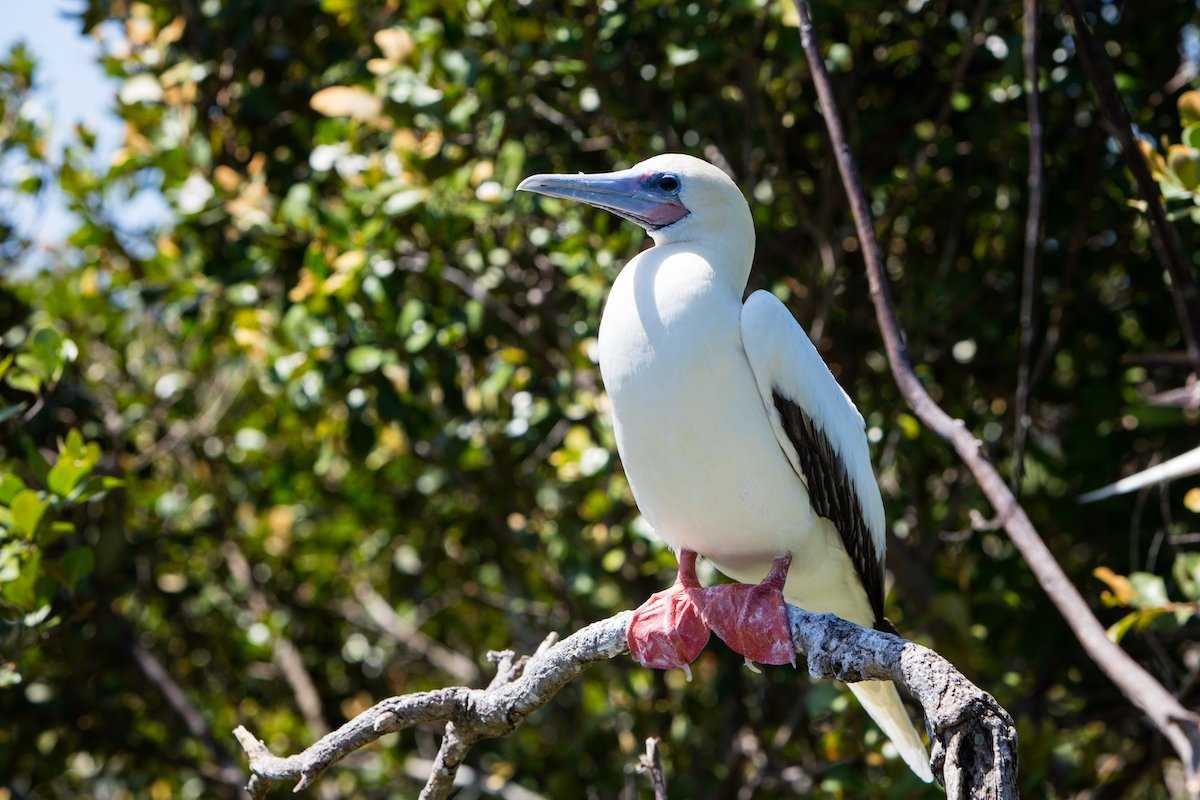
667 630
752 620
671 628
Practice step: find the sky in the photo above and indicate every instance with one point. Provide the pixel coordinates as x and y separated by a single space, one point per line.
73 89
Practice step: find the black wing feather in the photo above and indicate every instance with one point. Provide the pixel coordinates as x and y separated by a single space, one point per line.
832 495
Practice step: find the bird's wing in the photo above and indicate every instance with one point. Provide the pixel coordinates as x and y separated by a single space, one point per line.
821 433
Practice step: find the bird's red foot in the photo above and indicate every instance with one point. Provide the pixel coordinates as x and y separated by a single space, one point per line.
667 630
752 620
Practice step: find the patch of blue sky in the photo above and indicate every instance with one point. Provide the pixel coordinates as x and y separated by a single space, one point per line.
74 90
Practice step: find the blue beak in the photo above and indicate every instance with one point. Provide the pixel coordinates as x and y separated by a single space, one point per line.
629 194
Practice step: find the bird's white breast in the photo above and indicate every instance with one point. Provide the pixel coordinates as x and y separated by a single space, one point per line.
693 434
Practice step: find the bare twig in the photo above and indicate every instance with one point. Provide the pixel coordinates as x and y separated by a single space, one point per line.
224 395
450 756
974 738
1033 239
385 618
455 743
182 705
467 778
650 764
1177 724
1163 237
286 655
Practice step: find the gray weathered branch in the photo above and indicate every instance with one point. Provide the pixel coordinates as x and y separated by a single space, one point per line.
650 765
974 740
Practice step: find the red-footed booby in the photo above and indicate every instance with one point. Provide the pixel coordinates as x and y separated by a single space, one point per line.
736 439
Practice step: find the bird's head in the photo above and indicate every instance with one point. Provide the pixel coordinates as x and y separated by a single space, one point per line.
675 197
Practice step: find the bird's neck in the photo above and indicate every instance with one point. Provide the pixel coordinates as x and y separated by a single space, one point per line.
727 245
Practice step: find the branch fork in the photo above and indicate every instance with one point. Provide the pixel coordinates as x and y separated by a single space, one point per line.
974 739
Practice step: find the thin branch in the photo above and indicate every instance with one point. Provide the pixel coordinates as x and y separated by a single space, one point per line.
1163 237
228 387
974 738
182 705
1033 238
287 656
650 764
450 756
455 744
404 632
1177 724
469 779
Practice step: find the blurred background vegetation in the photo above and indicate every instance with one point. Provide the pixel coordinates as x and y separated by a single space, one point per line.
333 428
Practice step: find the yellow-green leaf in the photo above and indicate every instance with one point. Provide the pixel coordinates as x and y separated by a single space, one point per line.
1189 107
1122 593
75 461
27 509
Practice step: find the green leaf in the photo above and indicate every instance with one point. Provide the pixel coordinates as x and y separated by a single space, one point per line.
364 359
419 338
1151 590
94 487
75 461
57 530
5 363
46 346
77 564
403 201
25 381
1187 574
21 590
27 509
9 675
1189 107
1117 630
681 56
10 486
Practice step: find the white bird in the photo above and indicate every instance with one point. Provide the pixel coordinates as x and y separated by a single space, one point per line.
736 439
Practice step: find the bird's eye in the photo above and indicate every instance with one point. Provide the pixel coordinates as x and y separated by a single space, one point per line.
668 183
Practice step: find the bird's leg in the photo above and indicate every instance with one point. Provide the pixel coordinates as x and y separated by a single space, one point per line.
752 620
667 631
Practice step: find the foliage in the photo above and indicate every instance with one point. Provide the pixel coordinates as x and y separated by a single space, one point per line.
356 361
1147 594
22 149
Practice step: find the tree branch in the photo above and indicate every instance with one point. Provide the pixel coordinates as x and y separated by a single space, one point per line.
385 618
1033 238
650 764
287 656
195 722
974 738
1177 724
1163 237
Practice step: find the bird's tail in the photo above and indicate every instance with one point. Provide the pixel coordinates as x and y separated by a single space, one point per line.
882 702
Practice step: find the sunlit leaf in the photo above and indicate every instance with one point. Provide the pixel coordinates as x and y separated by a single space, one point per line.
1187 574
75 460
364 359
1122 591
27 509
346 101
